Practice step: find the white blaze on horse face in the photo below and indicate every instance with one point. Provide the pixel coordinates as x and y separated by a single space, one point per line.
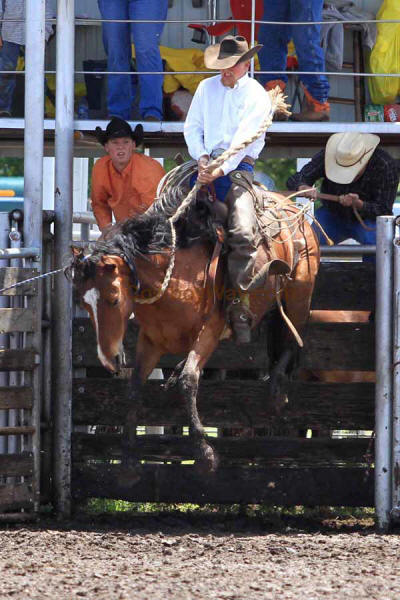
91 297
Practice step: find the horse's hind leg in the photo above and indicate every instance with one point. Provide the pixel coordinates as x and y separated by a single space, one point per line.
297 300
188 382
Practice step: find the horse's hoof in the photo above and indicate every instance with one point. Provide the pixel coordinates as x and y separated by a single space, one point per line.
208 461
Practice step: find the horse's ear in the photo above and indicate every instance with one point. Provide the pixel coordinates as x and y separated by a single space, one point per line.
77 252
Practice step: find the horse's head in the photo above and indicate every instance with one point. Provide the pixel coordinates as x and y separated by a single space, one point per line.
103 285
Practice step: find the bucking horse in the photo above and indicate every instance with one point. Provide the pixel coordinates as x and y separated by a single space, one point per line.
164 266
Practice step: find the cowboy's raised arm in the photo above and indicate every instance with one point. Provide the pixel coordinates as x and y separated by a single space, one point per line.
193 129
256 108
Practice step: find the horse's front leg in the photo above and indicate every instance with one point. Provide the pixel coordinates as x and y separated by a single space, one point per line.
188 382
147 357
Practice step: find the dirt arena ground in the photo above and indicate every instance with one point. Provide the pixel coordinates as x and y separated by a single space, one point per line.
181 558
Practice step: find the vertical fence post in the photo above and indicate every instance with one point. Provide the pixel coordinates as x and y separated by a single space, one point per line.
383 388
62 329
395 513
253 33
4 337
33 188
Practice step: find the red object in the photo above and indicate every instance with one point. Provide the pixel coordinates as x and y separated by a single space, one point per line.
391 112
241 9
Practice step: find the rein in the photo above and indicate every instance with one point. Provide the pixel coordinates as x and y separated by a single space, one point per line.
10 287
339 199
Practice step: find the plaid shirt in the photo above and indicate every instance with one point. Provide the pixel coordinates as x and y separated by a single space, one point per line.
14 31
377 187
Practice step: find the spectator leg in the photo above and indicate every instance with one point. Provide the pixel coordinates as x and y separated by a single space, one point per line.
117 44
307 40
275 39
362 236
8 62
146 37
332 224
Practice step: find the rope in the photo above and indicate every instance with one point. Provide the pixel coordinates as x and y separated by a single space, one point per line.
168 273
10 287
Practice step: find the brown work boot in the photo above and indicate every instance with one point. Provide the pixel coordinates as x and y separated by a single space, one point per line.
271 85
312 110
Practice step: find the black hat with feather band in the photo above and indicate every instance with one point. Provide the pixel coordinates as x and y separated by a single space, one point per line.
119 128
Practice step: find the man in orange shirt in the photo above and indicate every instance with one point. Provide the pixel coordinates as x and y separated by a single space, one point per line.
124 182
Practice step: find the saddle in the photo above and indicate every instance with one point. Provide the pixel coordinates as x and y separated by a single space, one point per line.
268 207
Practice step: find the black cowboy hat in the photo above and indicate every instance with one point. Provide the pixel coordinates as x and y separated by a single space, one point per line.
119 128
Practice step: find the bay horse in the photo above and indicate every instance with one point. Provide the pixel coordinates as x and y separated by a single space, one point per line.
125 270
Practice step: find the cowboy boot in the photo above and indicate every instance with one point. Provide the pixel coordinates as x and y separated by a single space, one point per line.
312 110
271 85
240 318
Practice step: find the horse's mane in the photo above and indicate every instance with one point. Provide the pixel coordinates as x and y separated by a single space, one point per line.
150 233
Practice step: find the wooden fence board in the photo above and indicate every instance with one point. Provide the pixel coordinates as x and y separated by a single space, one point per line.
14 465
11 275
353 285
15 397
252 485
233 403
227 355
17 319
18 360
20 430
14 497
348 346
255 449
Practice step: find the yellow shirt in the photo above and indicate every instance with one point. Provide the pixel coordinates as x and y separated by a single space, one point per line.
124 194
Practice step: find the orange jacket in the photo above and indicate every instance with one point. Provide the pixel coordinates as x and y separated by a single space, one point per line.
125 194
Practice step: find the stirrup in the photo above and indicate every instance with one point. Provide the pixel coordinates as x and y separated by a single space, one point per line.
274 267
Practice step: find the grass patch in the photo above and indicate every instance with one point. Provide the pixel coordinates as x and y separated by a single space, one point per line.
271 516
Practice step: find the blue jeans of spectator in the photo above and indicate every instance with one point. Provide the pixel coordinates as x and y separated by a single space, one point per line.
306 39
339 230
117 39
9 53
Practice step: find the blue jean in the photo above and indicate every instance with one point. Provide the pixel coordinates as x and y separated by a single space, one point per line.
9 53
117 39
306 38
223 184
339 230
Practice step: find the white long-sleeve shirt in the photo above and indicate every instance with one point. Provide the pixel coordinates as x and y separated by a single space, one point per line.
220 117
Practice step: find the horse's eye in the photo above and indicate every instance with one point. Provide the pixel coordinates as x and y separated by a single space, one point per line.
115 302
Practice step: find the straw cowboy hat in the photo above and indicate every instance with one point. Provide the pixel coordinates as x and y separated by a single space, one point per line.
232 50
346 154
119 128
